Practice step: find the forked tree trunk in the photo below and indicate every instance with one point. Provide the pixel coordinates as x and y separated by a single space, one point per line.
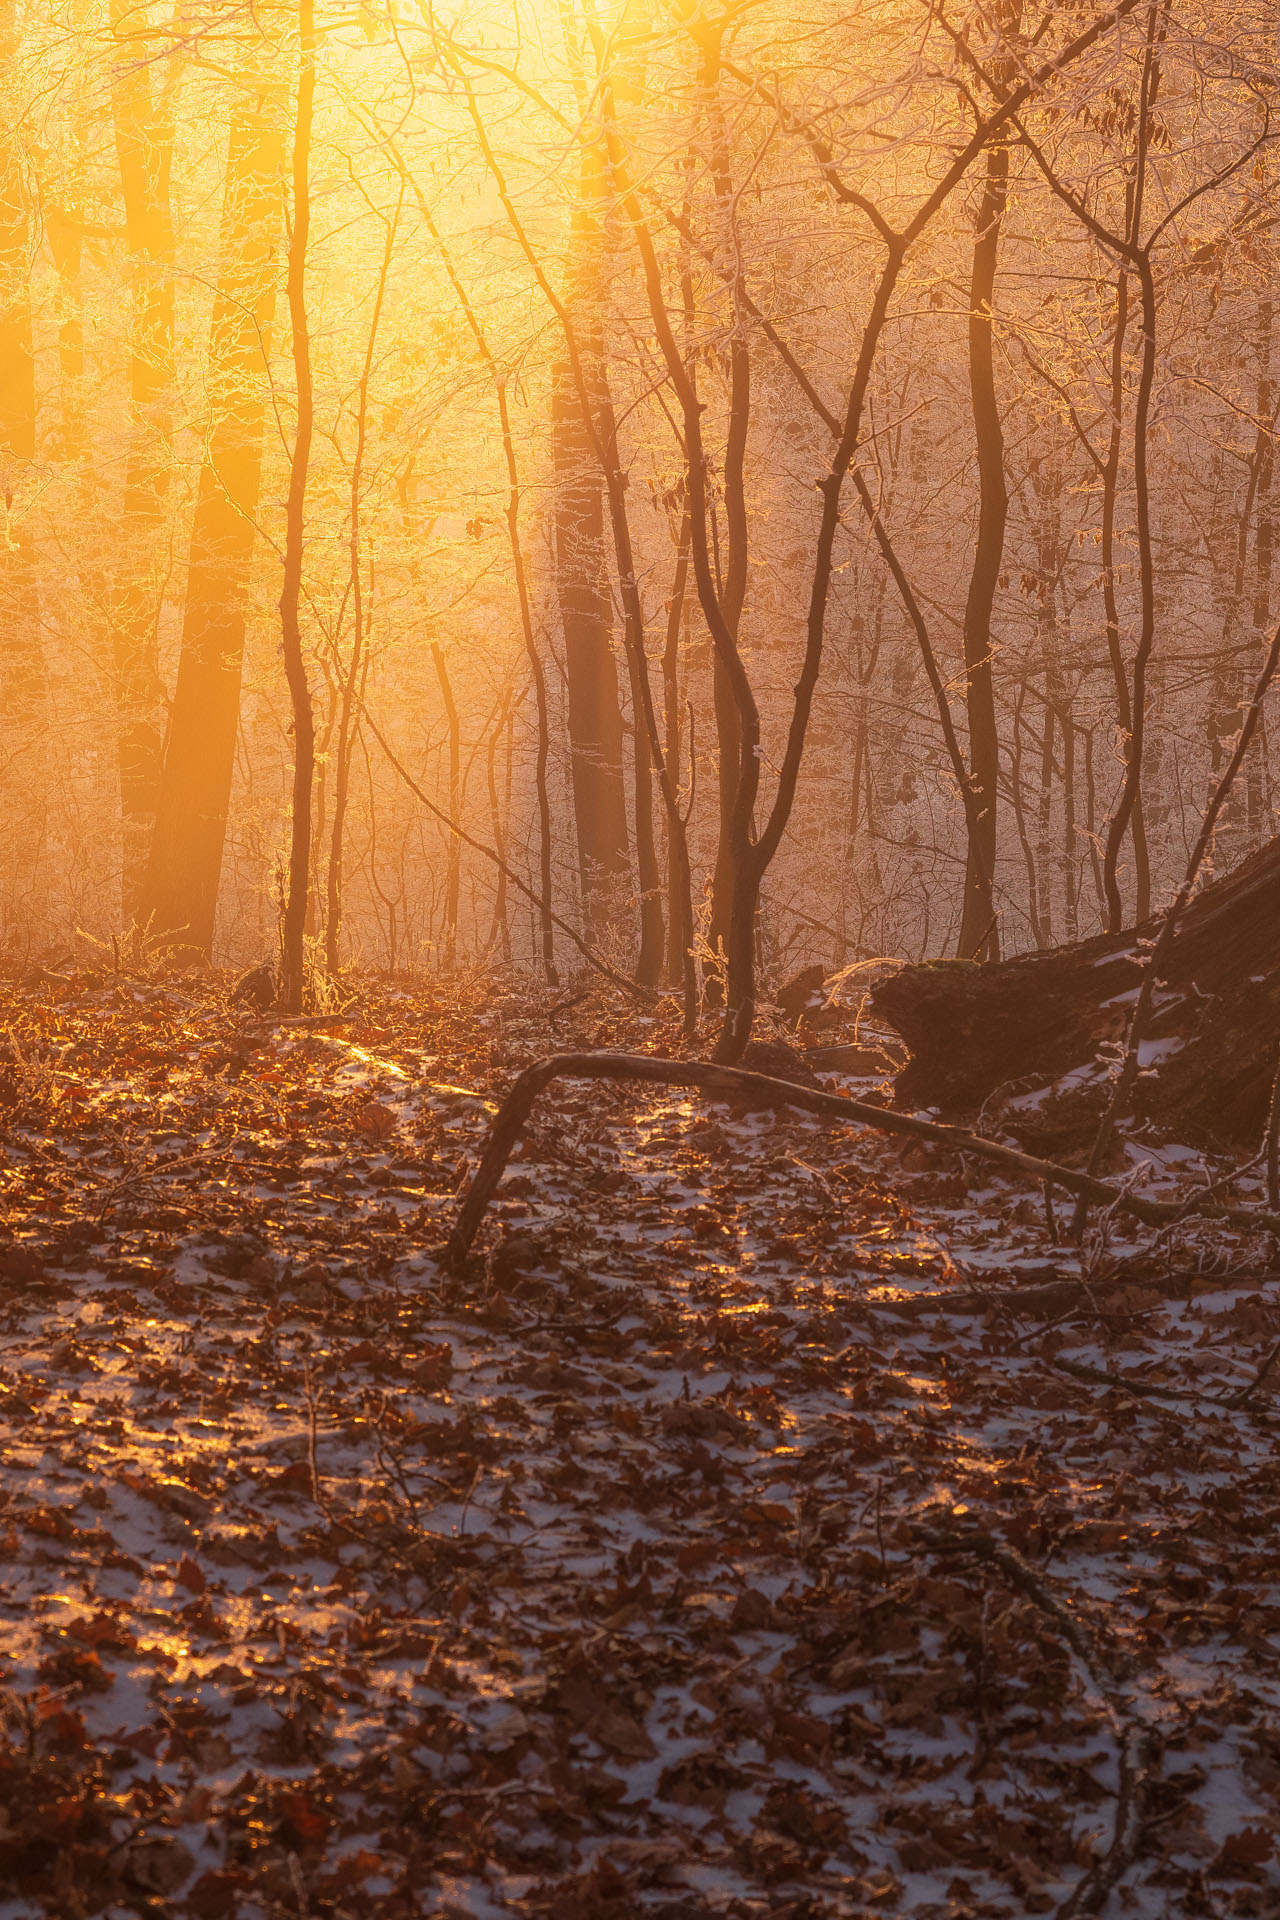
1209 1068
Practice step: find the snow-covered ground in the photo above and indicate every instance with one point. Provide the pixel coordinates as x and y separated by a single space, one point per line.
675 1559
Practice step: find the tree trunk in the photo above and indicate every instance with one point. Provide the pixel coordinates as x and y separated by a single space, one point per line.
732 601
545 919
1129 812
64 224
453 880
582 587
679 885
501 928
732 586
546 915
972 1029
24 675
180 894
351 677
144 138
293 928
594 713
979 930
646 744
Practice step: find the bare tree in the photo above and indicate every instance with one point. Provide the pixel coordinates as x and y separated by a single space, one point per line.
294 919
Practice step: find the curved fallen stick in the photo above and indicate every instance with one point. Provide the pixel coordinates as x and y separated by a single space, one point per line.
1139 1746
766 1090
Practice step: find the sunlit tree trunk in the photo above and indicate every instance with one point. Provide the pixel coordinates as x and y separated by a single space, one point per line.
66 227
644 744
583 323
181 887
144 138
453 869
593 710
22 673
546 925
67 247
500 930
600 434
351 677
294 921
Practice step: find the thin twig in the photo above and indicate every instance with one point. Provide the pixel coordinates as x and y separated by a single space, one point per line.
313 1411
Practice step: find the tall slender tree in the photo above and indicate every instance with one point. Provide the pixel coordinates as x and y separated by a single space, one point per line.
145 76
353 672
593 709
979 924
23 663
298 882
180 892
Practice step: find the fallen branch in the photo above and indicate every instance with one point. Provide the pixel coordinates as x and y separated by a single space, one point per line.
768 1091
1053 1296
1139 1745
313 1022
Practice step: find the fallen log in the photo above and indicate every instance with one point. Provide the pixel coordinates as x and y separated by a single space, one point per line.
973 1028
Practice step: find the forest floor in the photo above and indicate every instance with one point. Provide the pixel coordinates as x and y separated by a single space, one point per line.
669 1561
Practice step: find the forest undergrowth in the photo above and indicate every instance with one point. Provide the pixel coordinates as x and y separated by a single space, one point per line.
769 1518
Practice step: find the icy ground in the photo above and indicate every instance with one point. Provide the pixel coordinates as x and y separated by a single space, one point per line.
668 1562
